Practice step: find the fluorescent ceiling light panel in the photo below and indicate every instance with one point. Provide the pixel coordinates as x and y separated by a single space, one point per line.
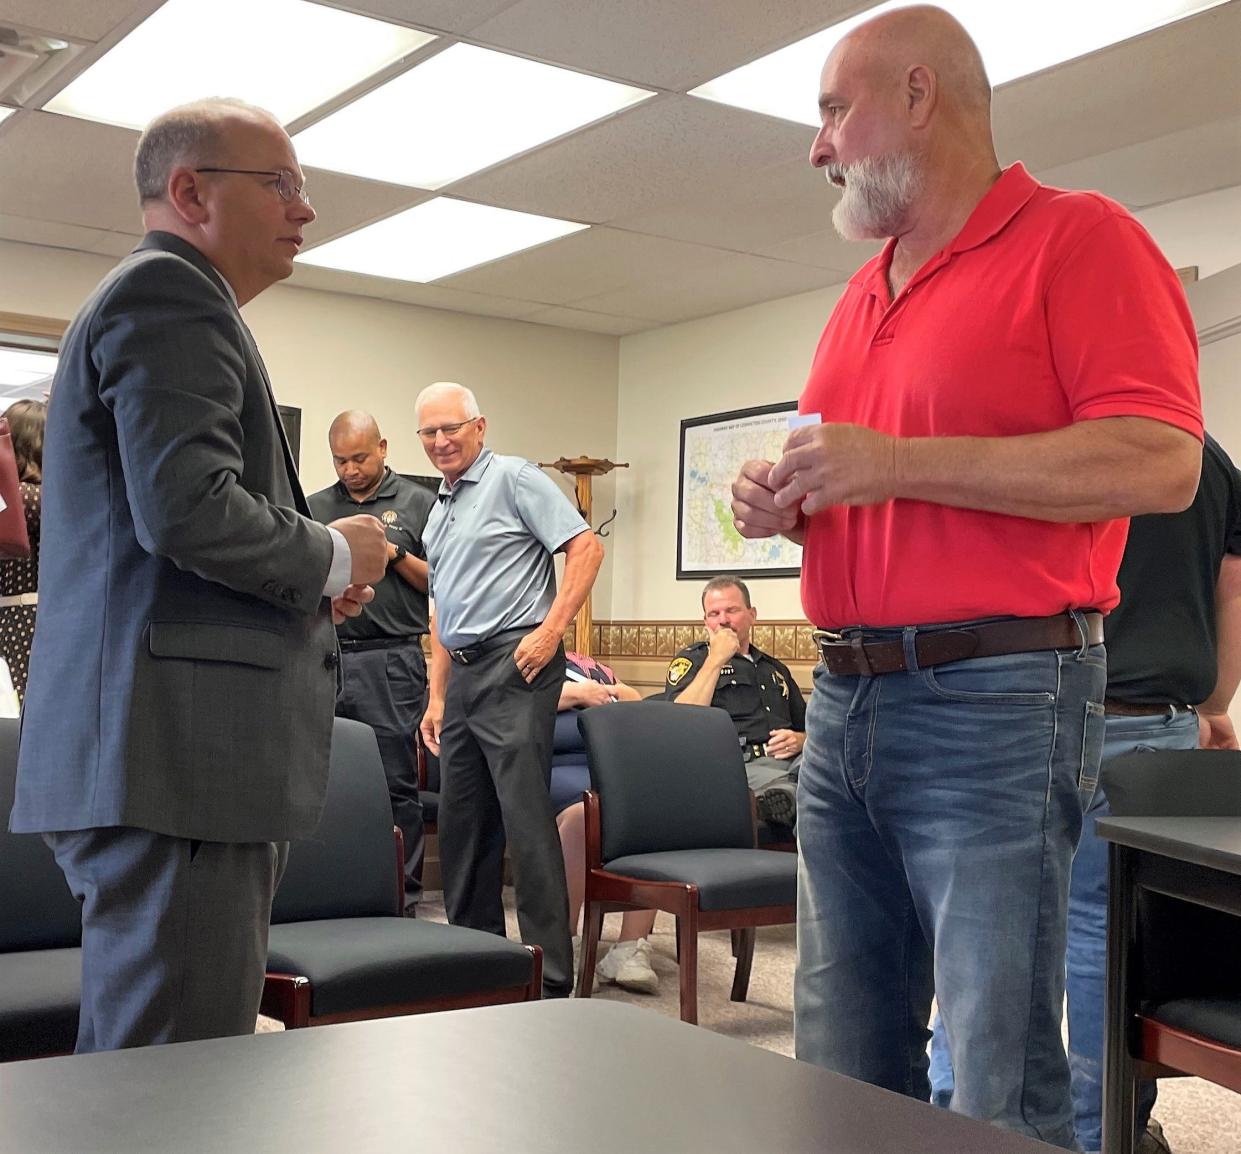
287 56
436 239
464 109
19 367
1015 40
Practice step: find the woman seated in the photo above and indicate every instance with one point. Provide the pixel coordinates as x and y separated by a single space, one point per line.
588 684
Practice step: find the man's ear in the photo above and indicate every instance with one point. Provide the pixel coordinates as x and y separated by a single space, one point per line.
921 93
185 194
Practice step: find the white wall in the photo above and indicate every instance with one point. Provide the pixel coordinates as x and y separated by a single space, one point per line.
753 356
547 392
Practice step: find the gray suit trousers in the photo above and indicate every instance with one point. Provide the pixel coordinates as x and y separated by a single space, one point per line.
174 933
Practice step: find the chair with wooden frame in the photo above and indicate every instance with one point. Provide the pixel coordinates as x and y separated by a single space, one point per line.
1183 968
339 948
670 826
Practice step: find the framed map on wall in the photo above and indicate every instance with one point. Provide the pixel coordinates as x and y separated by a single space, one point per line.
712 450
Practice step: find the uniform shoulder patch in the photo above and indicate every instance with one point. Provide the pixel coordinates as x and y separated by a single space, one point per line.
679 668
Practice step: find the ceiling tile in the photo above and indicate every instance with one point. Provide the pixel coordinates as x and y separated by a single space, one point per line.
825 249
673 44
115 244
745 210
584 264
456 16
30 231
731 282
73 19
430 296
1180 164
667 150
589 322
68 170
344 203
1184 75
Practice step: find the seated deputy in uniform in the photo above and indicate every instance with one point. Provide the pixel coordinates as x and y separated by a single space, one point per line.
758 692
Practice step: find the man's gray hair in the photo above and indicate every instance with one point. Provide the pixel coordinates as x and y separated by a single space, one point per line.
195 134
447 389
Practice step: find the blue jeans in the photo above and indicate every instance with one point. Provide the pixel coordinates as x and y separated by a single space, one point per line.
938 811
1087 939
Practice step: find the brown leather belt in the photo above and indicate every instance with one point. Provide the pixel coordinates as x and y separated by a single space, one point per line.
1134 709
855 657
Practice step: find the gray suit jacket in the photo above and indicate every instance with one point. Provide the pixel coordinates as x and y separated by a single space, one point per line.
184 665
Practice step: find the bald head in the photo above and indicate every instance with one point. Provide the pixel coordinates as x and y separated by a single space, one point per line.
890 47
354 423
359 453
196 135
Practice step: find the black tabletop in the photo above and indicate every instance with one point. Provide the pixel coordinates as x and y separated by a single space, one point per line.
1214 842
550 1077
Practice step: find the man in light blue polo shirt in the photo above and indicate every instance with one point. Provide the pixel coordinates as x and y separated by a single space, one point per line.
497 665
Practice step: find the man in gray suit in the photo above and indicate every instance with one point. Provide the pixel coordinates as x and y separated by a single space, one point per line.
179 712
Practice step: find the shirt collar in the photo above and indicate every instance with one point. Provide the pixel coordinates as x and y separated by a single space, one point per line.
385 488
1003 201
473 474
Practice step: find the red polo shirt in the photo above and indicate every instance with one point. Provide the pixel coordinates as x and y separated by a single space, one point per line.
1049 307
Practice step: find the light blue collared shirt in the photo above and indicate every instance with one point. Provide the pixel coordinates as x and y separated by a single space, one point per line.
490 539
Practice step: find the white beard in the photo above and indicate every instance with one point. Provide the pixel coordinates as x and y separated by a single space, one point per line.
878 195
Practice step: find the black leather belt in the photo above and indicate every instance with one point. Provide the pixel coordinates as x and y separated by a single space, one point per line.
854 656
472 653
361 646
753 751
1138 709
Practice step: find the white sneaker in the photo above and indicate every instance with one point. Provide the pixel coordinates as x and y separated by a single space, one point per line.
628 964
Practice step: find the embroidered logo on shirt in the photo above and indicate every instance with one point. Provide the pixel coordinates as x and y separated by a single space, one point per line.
388 517
679 668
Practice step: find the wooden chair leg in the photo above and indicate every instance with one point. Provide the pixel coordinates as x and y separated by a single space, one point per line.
592 927
744 951
687 955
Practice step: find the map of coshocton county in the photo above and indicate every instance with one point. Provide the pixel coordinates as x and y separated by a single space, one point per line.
713 454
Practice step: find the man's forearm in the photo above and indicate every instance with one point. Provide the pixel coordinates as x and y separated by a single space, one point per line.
701 690
1227 635
583 556
413 571
1088 471
437 682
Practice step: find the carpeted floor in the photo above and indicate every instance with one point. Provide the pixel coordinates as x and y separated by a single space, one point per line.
1198 1117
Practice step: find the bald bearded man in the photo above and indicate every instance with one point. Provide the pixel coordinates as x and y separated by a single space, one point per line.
994 394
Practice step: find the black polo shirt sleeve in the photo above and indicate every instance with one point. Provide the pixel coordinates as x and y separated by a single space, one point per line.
682 669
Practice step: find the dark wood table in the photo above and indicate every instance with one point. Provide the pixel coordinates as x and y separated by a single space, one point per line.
1195 859
568 1077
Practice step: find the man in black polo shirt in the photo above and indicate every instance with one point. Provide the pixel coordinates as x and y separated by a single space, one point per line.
385 672
757 691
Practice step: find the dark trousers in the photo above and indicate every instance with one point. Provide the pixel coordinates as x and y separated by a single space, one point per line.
386 689
495 764
174 933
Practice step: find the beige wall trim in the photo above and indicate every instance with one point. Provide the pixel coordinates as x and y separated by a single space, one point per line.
784 640
19 324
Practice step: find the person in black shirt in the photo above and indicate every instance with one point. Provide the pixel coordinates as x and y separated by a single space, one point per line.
385 672
756 690
1173 643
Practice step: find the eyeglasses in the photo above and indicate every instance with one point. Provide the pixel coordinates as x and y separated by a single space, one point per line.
429 434
287 186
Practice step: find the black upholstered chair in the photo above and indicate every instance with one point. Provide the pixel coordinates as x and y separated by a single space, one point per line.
40 935
428 786
1184 966
339 948
670 826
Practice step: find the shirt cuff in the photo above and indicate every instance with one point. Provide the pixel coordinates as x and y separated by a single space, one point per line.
342 565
